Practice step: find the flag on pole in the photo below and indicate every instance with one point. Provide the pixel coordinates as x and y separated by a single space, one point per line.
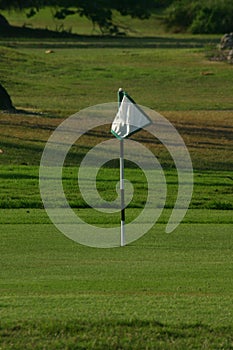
129 119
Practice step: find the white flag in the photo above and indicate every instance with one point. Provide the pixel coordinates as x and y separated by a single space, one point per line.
129 119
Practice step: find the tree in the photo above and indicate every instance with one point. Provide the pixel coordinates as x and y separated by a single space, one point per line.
100 12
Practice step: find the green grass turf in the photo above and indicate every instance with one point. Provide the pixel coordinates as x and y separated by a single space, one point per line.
81 25
19 188
72 78
164 291
44 20
207 135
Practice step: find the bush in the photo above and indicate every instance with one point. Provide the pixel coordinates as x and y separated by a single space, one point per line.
180 15
210 17
217 18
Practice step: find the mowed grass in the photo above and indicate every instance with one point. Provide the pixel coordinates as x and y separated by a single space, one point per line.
164 291
20 188
75 76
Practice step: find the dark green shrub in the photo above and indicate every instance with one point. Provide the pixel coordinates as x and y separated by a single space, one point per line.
210 17
180 15
214 18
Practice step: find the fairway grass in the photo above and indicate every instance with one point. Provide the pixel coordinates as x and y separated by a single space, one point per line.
75 76
163 291
19 188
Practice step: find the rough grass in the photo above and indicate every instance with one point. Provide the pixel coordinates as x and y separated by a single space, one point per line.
44 20
107 334
81 25
207 134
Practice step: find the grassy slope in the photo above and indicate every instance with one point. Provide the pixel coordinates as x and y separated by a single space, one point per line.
197 92
82 26
163 291
72 78
207 134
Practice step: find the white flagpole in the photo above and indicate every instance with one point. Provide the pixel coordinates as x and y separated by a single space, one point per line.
122 128
122 189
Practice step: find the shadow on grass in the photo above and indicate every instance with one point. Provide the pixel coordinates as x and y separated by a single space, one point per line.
69 40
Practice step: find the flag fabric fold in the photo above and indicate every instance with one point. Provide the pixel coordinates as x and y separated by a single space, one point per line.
129 119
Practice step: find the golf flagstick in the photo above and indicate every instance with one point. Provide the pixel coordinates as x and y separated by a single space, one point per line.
122 187
129 119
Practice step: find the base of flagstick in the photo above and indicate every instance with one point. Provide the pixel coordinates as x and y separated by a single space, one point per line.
122 233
